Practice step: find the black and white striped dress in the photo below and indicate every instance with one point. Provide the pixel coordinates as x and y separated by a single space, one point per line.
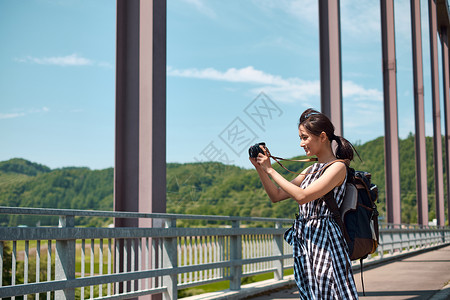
322 267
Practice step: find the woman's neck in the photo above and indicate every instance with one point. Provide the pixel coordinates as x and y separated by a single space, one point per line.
326 157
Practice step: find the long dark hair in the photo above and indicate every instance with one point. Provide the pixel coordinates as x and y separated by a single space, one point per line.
316 123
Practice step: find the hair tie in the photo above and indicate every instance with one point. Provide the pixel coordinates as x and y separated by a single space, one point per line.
311 114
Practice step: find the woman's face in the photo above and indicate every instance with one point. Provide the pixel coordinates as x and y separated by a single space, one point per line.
309 142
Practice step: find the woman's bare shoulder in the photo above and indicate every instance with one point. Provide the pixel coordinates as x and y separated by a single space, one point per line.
307 170
337 170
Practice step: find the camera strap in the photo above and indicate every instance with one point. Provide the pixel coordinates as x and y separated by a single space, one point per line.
311 159
277 159
345 161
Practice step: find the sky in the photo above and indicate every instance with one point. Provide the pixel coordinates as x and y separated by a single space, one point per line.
238 72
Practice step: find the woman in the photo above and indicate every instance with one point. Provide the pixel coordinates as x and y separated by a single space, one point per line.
322 266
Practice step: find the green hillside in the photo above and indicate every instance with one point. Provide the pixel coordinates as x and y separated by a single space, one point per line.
27 184
193 188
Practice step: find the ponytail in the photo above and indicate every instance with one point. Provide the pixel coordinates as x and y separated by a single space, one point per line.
344 149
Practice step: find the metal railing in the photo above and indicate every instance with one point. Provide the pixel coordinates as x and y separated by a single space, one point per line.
68 262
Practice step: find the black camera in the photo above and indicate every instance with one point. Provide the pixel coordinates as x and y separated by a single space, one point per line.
254 150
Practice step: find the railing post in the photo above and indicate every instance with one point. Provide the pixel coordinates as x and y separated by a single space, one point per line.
65 260
1 263
381 247
170 261
236 256
278 250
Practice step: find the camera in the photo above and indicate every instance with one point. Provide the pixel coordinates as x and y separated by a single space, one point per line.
254 150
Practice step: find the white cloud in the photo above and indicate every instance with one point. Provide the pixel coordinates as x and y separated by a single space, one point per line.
106 65
202 7
287 90
306 11
23 113
360 19
63 61
39 110
355 13
69 60
247 75
363 107
358 92
11 115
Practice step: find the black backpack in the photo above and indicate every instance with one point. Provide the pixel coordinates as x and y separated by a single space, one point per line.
358 216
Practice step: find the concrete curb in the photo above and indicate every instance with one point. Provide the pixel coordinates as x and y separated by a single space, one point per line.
248 290
391 258
269 286
443 294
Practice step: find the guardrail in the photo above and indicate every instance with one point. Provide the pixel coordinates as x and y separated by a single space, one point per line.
128 262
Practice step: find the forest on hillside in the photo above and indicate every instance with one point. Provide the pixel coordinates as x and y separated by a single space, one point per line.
195 188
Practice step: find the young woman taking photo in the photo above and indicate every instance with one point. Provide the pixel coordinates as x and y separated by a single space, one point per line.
322 266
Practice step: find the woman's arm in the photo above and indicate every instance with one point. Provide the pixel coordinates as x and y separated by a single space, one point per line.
275 193
333 176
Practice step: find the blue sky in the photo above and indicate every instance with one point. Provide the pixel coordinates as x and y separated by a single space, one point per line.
225 59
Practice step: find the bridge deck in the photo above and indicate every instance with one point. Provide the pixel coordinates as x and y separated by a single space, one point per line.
417 277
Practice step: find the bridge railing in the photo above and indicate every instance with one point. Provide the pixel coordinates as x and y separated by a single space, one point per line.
68 261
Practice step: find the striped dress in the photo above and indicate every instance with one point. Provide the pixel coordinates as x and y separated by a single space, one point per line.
322 266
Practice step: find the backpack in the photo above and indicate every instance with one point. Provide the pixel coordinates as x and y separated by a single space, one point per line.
357 216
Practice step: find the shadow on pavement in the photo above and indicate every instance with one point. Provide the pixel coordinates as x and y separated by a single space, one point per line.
419 295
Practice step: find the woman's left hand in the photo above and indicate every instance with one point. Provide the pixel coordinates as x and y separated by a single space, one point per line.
264 161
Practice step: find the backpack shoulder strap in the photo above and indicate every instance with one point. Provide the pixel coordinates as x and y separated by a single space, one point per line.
321 170
332 204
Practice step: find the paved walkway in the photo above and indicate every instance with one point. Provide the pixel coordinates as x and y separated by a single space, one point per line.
419 277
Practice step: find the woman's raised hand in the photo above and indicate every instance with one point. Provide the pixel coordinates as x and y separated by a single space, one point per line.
263 160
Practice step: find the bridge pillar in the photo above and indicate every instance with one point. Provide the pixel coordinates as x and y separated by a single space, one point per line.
330 63
420 141
445 77
391 148
140 156
438 168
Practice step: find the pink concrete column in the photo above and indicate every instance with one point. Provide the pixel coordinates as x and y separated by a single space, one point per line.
420 143
140 157
330 62
438 168
445 83
391 154
140 169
